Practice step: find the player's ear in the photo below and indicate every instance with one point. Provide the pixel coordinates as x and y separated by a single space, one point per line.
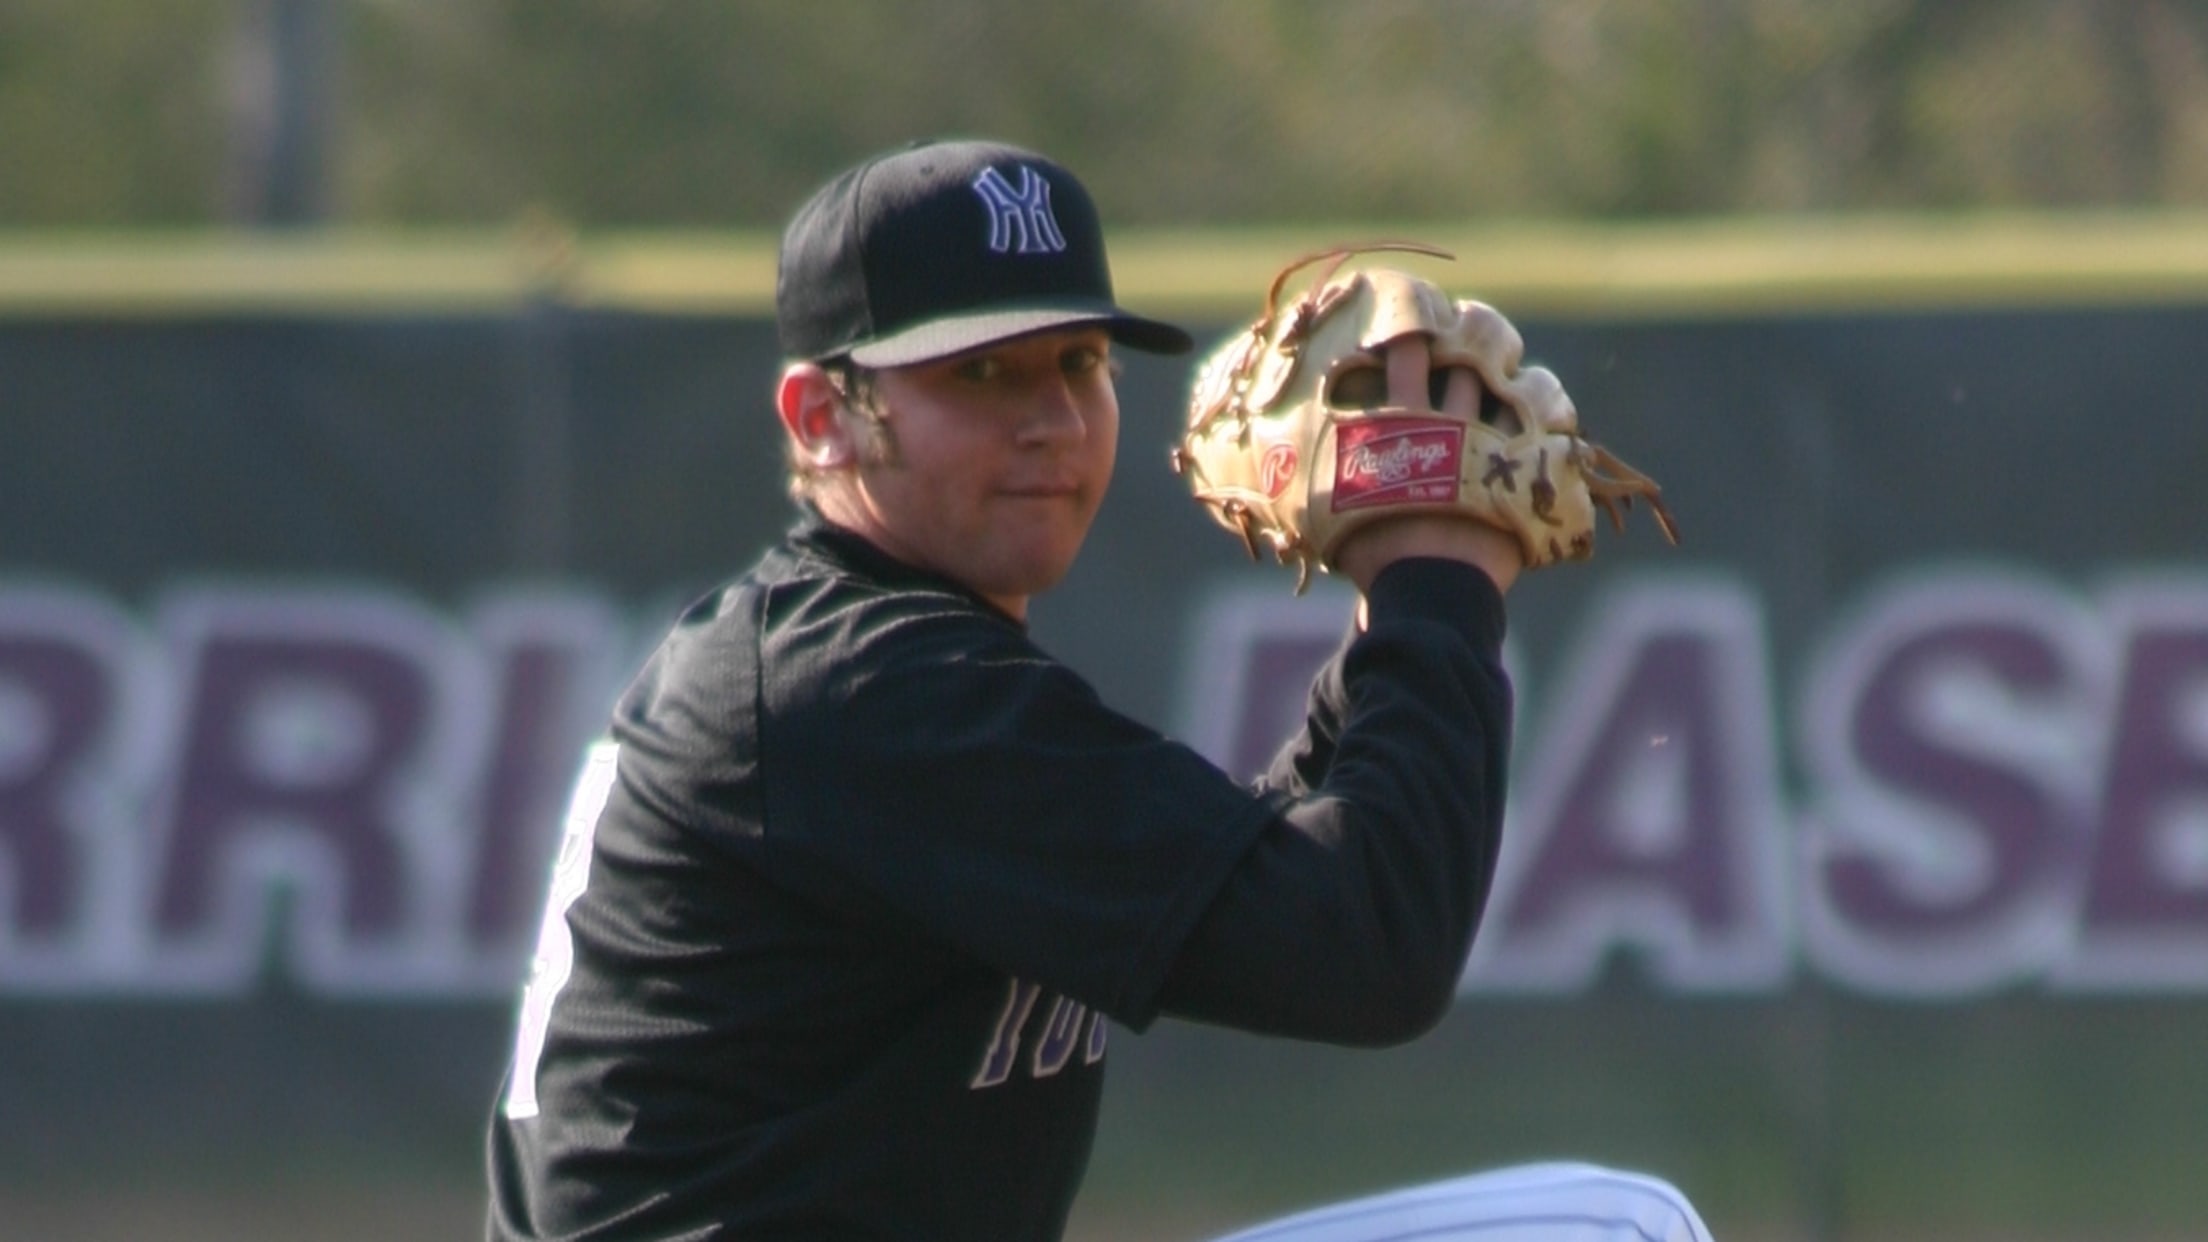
811 408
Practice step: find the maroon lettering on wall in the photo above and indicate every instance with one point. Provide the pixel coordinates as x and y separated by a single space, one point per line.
1648 819
62 698
1638 818
1941 733
72 685
295 741
2144 921
2002 783
550 663
59 694
314 760
2004 831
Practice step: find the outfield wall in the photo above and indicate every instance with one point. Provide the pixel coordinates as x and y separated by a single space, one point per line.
319 560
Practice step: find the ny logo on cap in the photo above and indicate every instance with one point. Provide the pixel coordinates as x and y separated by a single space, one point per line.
1019 219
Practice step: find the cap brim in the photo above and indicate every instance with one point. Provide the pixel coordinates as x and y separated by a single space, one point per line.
955 334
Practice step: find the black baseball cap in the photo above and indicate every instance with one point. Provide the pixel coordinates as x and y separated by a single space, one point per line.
945 246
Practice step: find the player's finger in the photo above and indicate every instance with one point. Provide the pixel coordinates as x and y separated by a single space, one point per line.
1409 359
1460 398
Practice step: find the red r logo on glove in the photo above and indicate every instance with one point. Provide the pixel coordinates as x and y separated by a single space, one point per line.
1276 469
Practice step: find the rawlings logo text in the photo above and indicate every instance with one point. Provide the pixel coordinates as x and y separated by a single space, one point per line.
1397 461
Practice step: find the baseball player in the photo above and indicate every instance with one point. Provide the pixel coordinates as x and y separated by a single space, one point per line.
855 889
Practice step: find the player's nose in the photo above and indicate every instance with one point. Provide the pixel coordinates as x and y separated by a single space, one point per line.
1056 415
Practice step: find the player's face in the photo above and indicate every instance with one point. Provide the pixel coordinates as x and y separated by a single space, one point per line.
1002 456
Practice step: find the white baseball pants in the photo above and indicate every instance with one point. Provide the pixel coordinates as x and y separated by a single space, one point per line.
1553 1202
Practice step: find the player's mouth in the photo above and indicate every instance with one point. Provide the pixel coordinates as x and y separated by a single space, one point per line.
1053 490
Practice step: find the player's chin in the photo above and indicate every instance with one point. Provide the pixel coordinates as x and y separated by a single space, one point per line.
1045 568
1037 561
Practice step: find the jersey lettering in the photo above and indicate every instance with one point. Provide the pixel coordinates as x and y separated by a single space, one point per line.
555 955
1056 1046
1004 1040
1067 1025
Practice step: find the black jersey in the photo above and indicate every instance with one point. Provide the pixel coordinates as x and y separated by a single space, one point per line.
835 957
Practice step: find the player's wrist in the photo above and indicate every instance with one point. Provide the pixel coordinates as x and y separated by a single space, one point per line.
1368 551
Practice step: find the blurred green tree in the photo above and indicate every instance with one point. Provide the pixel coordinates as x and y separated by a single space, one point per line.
652 113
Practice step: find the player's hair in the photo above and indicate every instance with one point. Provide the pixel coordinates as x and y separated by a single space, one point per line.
861 397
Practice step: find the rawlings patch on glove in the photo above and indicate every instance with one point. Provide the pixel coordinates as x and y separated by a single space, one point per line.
1376 395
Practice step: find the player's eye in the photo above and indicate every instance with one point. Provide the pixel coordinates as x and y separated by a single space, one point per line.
1087 360
979 369
1358 388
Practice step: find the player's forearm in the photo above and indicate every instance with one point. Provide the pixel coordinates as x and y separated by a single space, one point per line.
1349 919
1301 764
1303 761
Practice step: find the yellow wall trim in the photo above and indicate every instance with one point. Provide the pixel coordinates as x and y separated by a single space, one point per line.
1759 266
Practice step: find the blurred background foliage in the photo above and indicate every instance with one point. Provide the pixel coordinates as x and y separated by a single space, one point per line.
656 114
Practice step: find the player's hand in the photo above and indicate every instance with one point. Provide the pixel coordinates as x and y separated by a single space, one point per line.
1373 548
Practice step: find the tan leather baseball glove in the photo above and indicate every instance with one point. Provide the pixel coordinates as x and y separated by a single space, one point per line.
1375 394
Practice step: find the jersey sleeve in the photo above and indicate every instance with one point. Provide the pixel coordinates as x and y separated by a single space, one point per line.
949 781
1302 761
1350 917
